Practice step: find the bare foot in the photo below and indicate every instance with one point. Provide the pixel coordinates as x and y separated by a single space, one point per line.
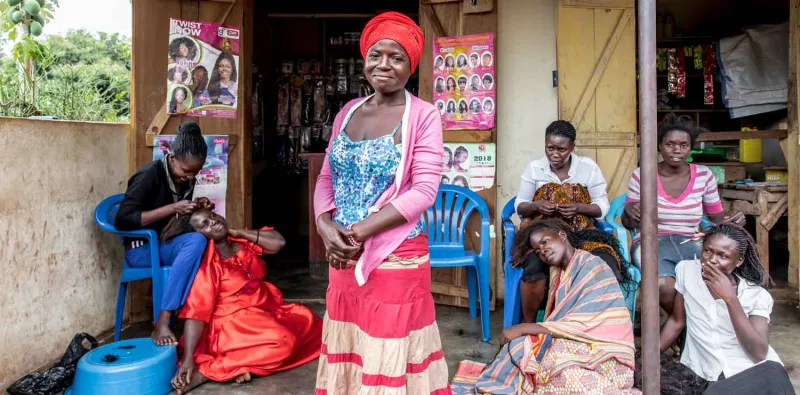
243 378
197 380
163 335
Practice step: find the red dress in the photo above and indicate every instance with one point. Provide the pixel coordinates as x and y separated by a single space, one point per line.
250 328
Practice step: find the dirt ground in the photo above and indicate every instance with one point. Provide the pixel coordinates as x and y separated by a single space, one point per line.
461 338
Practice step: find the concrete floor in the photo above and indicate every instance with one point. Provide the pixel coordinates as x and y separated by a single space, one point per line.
461 337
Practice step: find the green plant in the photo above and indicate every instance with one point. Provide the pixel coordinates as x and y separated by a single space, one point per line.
28 17
78 76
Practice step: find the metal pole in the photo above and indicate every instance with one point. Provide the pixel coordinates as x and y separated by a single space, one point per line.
651 367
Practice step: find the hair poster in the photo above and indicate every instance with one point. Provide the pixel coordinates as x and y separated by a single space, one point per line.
469 165
212 181
203 69
464 81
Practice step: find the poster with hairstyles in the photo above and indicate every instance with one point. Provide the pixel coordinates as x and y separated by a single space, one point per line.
212 181
469 165
202 69
464 81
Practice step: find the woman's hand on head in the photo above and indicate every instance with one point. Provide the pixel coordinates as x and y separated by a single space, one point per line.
204 202
184 207
735 217
235 233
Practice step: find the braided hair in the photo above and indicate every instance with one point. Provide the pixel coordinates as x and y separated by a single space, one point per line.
189 142
561 129
750 269
177 225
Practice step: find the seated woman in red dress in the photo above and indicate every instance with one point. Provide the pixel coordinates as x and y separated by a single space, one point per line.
237 324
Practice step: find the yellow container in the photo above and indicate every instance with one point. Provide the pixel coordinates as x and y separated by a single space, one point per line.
777 174
749 149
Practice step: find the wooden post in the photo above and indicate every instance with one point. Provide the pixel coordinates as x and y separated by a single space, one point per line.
793 141
651 362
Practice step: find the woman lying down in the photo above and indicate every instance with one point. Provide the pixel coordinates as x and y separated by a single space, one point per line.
585 344
237 324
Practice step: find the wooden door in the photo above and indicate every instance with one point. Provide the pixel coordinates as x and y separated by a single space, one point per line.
596 48
446 18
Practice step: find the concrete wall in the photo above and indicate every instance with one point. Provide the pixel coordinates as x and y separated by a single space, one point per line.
58 271
527 99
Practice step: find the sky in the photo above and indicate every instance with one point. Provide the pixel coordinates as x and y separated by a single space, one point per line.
110 16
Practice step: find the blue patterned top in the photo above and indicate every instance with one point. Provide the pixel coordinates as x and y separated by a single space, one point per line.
361 172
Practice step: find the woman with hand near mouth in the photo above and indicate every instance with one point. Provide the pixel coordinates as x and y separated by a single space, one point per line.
686 192
565 186
381 172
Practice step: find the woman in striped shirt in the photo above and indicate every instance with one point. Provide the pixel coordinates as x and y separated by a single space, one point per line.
686 192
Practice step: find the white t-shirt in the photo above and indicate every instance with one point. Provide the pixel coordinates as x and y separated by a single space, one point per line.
711 345
582 170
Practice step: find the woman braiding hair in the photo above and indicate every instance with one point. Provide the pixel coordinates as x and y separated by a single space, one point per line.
567 187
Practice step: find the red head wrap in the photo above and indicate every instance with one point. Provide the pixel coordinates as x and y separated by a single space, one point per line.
397 27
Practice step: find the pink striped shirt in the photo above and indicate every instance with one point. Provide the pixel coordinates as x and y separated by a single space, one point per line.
681 215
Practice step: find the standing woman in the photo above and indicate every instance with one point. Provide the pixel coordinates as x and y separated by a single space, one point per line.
381 172
158 191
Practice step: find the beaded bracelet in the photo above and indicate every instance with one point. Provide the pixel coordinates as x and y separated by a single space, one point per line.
352 240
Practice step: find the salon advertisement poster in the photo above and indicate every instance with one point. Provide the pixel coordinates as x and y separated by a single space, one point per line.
470 165
203 69
464 81
212 181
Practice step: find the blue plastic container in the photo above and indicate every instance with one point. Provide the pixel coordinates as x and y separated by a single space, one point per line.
127 367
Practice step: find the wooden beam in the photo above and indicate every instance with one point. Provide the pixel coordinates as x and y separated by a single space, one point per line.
606 139
598 3
742 206
775 213
762 238
477 6
791 148
726 136
435 22
449 289
468 136
589 92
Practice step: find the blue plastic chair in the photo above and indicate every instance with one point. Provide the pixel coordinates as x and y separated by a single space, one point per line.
445 224
512 305
104 217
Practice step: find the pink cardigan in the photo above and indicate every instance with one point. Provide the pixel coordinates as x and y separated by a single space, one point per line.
415 185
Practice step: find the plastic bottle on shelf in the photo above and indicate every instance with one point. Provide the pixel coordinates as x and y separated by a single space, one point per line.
750 149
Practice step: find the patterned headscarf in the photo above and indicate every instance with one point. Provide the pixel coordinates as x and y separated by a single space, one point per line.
397 27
